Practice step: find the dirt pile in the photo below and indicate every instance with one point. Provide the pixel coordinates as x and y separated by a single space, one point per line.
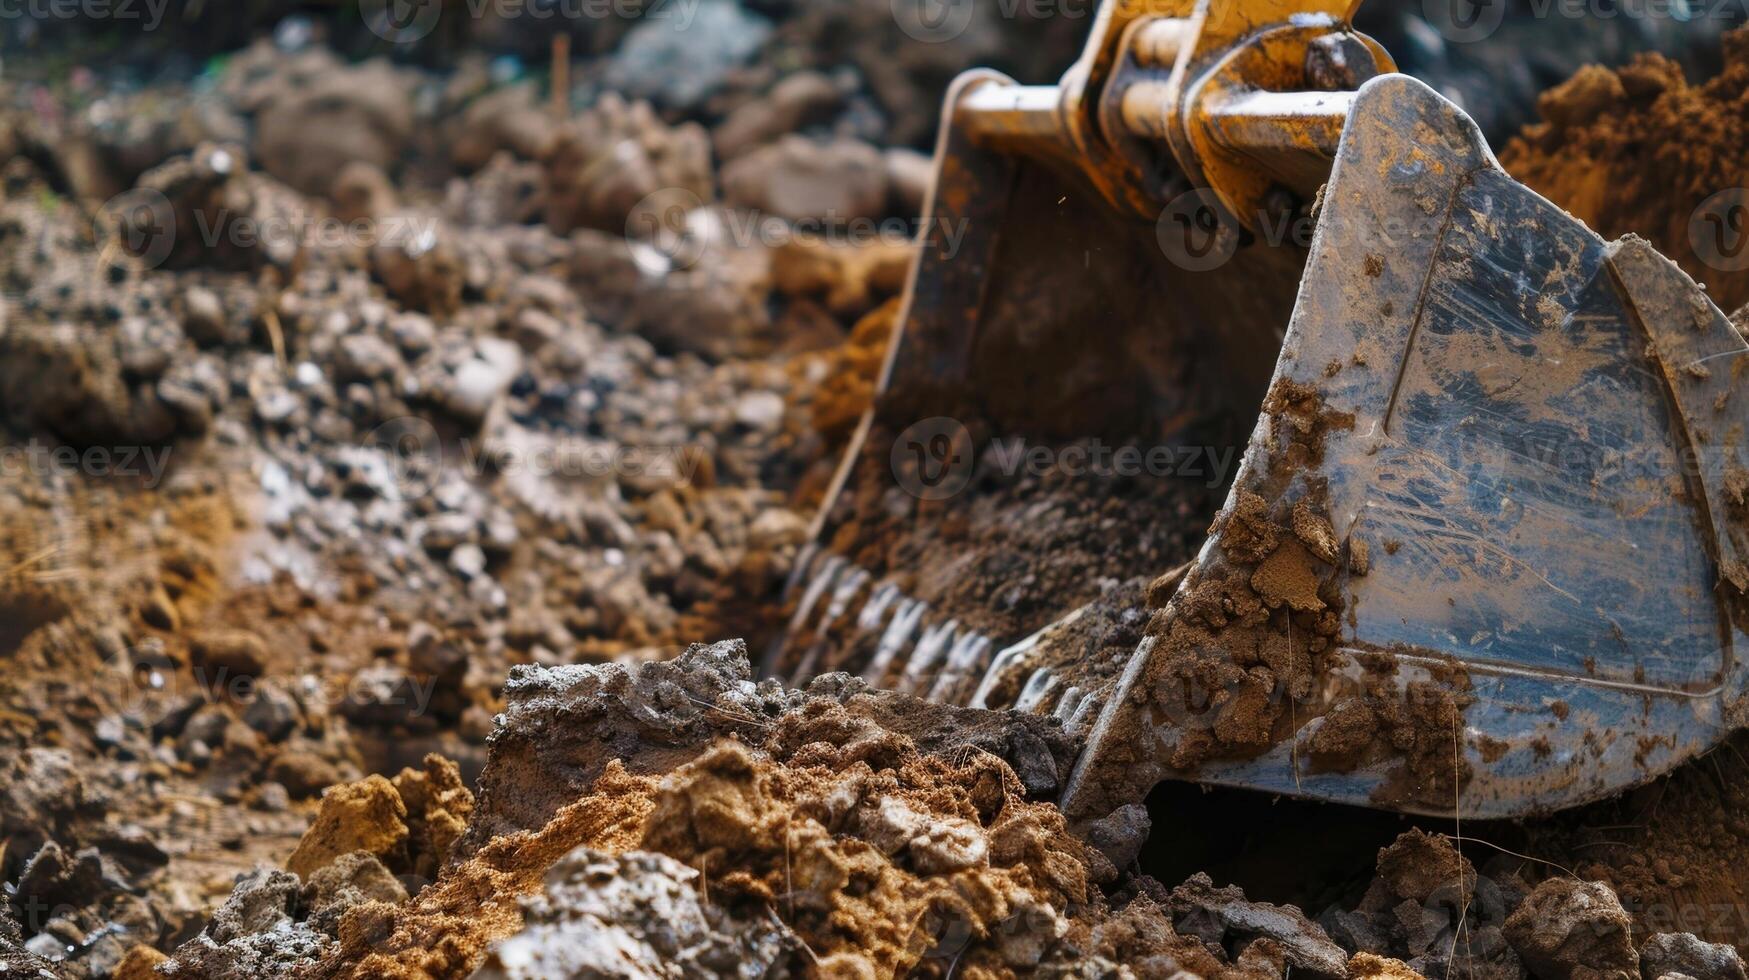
1642 149
831 844
814 833
284 497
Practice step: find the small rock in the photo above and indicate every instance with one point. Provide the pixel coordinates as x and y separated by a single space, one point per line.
633 914
1367 966
383 694
444 533
203 317
351 880
795 101
477 384
1224 918
469 561
761 411
534 329
362 191
1120 835
799 179
235 652
1684 953
259 903
364 816
158 610
934 845
273 712
678 61
429 653
1574 930
272 797
365 357
303 774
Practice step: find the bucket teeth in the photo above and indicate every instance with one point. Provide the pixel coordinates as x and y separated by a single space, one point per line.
1038 690
847 620
907 616
970 653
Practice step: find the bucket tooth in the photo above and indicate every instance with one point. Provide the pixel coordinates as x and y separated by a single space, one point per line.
924 658
1035 696
907 618
971 651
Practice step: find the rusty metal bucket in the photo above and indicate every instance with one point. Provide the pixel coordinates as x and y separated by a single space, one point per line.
1484 554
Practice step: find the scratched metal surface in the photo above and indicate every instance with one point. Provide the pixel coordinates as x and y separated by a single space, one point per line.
1542 460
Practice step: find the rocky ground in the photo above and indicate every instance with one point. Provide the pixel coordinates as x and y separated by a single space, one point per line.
388 452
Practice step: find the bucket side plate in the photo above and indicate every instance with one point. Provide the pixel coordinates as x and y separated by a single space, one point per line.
1525 443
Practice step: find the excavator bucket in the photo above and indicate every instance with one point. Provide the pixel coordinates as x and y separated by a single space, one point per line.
1484 551
1494 511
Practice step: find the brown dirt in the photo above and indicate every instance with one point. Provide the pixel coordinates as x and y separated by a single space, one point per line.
1639 148
879 858
887 836
446 930
870 851
852 371
1092 650
1019 549
1676 850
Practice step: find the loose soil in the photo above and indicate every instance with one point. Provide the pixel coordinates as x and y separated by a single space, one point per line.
1021 546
